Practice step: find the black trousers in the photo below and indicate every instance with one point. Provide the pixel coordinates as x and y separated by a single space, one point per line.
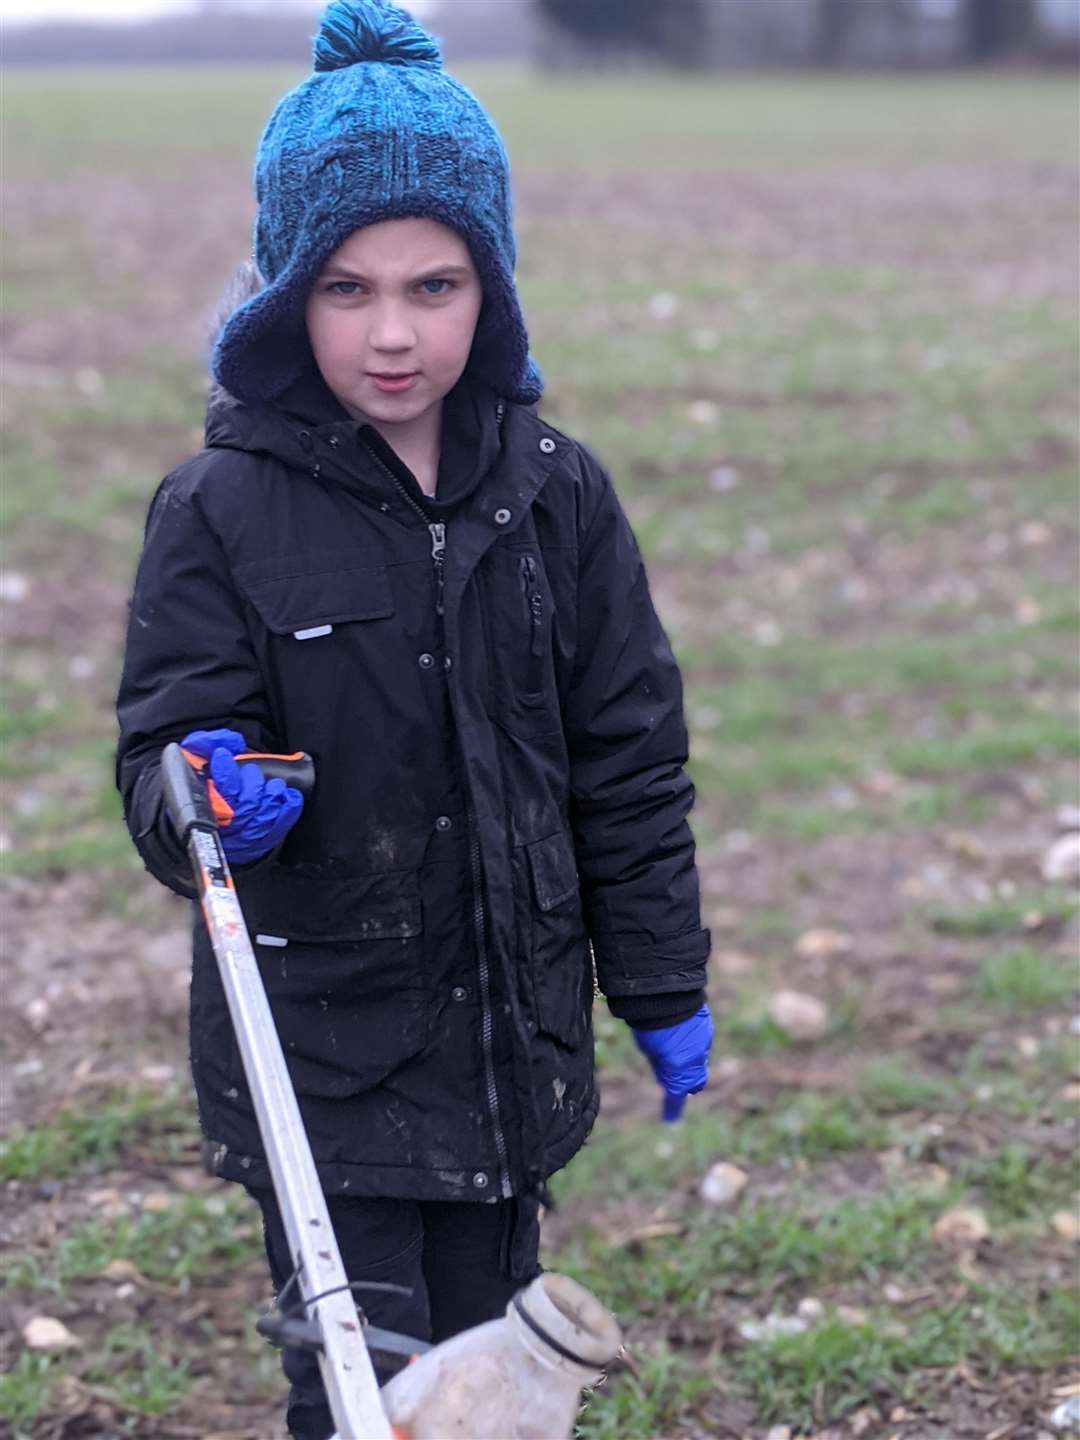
461 1261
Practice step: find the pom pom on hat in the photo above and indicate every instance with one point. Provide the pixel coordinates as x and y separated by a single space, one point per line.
354 31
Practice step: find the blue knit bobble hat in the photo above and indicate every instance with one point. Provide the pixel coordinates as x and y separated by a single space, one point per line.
379 131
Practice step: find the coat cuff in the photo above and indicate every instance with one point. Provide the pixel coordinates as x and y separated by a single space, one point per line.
656 1012
631 965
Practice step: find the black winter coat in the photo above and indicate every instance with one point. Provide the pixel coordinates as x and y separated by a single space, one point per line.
496 720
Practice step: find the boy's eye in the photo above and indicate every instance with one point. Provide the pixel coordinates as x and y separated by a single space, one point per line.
436 286
343 287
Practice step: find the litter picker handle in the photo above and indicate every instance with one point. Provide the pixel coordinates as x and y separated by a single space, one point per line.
184 783
296 770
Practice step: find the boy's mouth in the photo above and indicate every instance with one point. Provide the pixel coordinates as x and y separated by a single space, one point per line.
391 383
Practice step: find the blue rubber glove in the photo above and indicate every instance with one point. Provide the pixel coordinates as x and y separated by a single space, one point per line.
679 1056
254 815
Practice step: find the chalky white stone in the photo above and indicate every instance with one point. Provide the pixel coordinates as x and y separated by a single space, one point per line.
723 1183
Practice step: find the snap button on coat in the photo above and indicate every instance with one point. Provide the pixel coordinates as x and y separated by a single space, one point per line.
502 517
547 445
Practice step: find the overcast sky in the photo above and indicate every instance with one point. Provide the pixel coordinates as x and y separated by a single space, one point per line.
89 10
26 10
1063 14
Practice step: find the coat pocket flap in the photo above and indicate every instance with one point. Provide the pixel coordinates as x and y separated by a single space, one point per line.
302 907
553 866
302 598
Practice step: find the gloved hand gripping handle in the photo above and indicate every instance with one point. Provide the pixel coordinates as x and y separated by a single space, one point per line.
184 784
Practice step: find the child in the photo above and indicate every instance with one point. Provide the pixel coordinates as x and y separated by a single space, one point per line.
384 557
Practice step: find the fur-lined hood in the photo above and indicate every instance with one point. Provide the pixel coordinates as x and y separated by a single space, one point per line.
244 283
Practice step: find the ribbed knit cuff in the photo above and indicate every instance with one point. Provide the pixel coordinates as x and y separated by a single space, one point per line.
656 1012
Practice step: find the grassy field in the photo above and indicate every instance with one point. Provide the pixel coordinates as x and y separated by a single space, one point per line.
824 333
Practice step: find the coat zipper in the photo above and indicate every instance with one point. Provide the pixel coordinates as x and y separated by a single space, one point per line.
487 1021
534 601
438 552
437 530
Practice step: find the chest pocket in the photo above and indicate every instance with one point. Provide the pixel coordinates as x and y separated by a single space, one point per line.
304 595
520 615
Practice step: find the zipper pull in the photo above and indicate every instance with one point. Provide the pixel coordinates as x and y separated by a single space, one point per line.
437 530
534 601
536 607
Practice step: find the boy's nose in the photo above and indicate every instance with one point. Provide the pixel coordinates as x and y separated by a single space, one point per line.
392 330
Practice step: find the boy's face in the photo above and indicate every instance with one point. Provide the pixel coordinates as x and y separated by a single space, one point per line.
391 321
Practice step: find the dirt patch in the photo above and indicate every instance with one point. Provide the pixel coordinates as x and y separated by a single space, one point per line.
93 1003
156 278
957 222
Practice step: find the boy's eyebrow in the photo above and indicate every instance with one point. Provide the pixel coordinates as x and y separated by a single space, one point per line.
434 272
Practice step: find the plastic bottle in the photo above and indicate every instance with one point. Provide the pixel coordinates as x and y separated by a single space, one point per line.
518 1378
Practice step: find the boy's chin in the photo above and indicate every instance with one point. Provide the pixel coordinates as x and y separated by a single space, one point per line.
405 409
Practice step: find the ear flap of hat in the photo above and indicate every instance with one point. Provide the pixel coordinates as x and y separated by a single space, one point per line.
500 352
263 346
